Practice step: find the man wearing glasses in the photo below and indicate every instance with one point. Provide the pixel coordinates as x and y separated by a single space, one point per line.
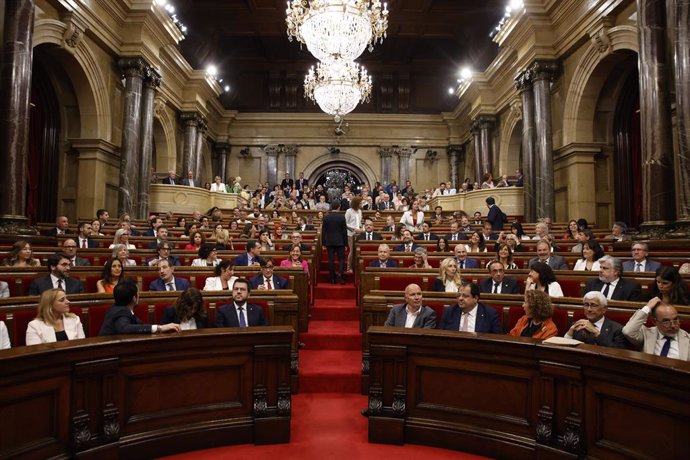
267 280
595 328
163 253
665 338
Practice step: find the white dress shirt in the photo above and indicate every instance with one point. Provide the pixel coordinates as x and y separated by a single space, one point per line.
471 319
411 316
243 313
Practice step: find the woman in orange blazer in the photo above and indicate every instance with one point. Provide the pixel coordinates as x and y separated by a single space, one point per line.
537 322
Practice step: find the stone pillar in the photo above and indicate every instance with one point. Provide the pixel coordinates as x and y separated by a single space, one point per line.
386 154
133 69
681 50
477 153
455 152
151 83
222 151
486 124
523 83
543 73
271 152
404 155
191 122
15 89
200 134
290 152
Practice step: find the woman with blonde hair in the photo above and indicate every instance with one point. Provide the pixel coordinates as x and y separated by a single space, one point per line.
449 279
536 322
218 186
122 237
121 252
21 255
53 322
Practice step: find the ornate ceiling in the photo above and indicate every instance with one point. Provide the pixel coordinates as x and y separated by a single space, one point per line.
428 42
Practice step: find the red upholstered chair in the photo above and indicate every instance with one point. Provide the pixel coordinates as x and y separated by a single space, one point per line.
264 306
438 308
560 319
19 325
141 311
90 282
159 311
146 281
571 288
96 317
514 314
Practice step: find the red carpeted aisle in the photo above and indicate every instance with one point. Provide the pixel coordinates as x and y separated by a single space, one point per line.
326 419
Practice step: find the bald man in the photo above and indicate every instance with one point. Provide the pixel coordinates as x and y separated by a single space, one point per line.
412 313
665 338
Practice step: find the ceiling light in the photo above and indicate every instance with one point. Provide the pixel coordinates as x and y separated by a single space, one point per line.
465 73
212 71
226 88
337 87
451 91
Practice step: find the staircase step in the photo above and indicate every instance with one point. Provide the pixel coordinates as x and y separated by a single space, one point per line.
324 277
334 313
336 291
324 371
332 335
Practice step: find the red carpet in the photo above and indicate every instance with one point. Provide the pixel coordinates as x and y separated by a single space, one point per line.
326 419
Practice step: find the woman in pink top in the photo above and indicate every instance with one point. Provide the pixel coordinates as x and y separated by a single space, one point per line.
295 259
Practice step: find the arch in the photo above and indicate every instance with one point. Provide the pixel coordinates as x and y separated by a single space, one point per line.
85 75
164 136
592 71
342 160
511 143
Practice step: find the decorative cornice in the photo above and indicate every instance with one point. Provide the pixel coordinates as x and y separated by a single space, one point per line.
191 119
133 66
385 151
221 148
456 148
599 34
523 81
74 31
544 70
483 122
152 78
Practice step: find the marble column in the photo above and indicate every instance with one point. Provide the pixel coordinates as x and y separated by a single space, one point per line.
15 89
404 155
523 83
455 152
486 124
133 69
191 122
200 136
222 151
476 140
658 191
543 73
271 152
681 51
152 82
386 154
290 152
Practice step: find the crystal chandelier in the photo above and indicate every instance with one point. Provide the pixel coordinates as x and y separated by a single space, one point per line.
337 29
337 87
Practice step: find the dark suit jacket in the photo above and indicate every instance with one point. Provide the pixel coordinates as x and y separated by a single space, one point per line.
426 318
611 335
449 237
334 230
650 266
174 261
185 181
508 286
278 282
555 262
520 181
487 319
495 218
121 320
243 260
469 263
432 237
625 290
227 316
285 183
89 242
171 317
382 207
303 247
38 285
401 247
301 183
158 285
53 232
374 236
81 262
169 182
148 232
390 263
306 227
389 228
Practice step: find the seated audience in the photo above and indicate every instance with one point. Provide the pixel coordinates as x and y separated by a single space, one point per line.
516 229
412 313
4 290
488 181
21 255
595 328
4 337
69 248
59 267
582 236
408 244
369 233
84 234
240 313
640 262
61 227
503 182
449 279
265 240
218 186
591 253
120 318
455 234
224 279
295 259
121 252
536 322
504 253
477 243
670 287
540 230
188 311
163 253
113 272
545 255
53 322
442 244
208 256
267 280
499 283
251 256
541 278
665 338
421 259
167 281
224 241
619 232
122 237
390 224
571 231
468 315
488 233
462 261
413 219
196 240
384 260
610 281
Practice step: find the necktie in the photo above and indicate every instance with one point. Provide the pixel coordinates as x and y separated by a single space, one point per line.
667 346
268 284
426 237
461 264
83 244
465 319
60 284
495 291
455 237
606 290
243 323
638 267
408 248
170 286
369 236
383 264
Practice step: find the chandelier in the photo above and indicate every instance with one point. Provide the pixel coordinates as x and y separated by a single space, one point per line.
337 87
337 29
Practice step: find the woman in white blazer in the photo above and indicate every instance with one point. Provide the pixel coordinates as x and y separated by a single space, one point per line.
224 278
218 186
4 337
413 219
208 256
53 321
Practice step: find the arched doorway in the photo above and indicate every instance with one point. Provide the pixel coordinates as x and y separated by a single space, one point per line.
338 169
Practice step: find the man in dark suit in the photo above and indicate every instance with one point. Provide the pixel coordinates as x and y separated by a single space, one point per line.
426 234
408 244
296 239
163 251
59 266
301 182
455 233
302 225
468 315
156 223
189 180
499 283
595 328
488 233
461 258
334 237
384 204
166 279
267 280
384 260
640 262
520 178
390 224
69 248
251 256
84 237
240 313
545 255
369 234
412 313
610 281
120 319
287 183
171 179
61 227
496 217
